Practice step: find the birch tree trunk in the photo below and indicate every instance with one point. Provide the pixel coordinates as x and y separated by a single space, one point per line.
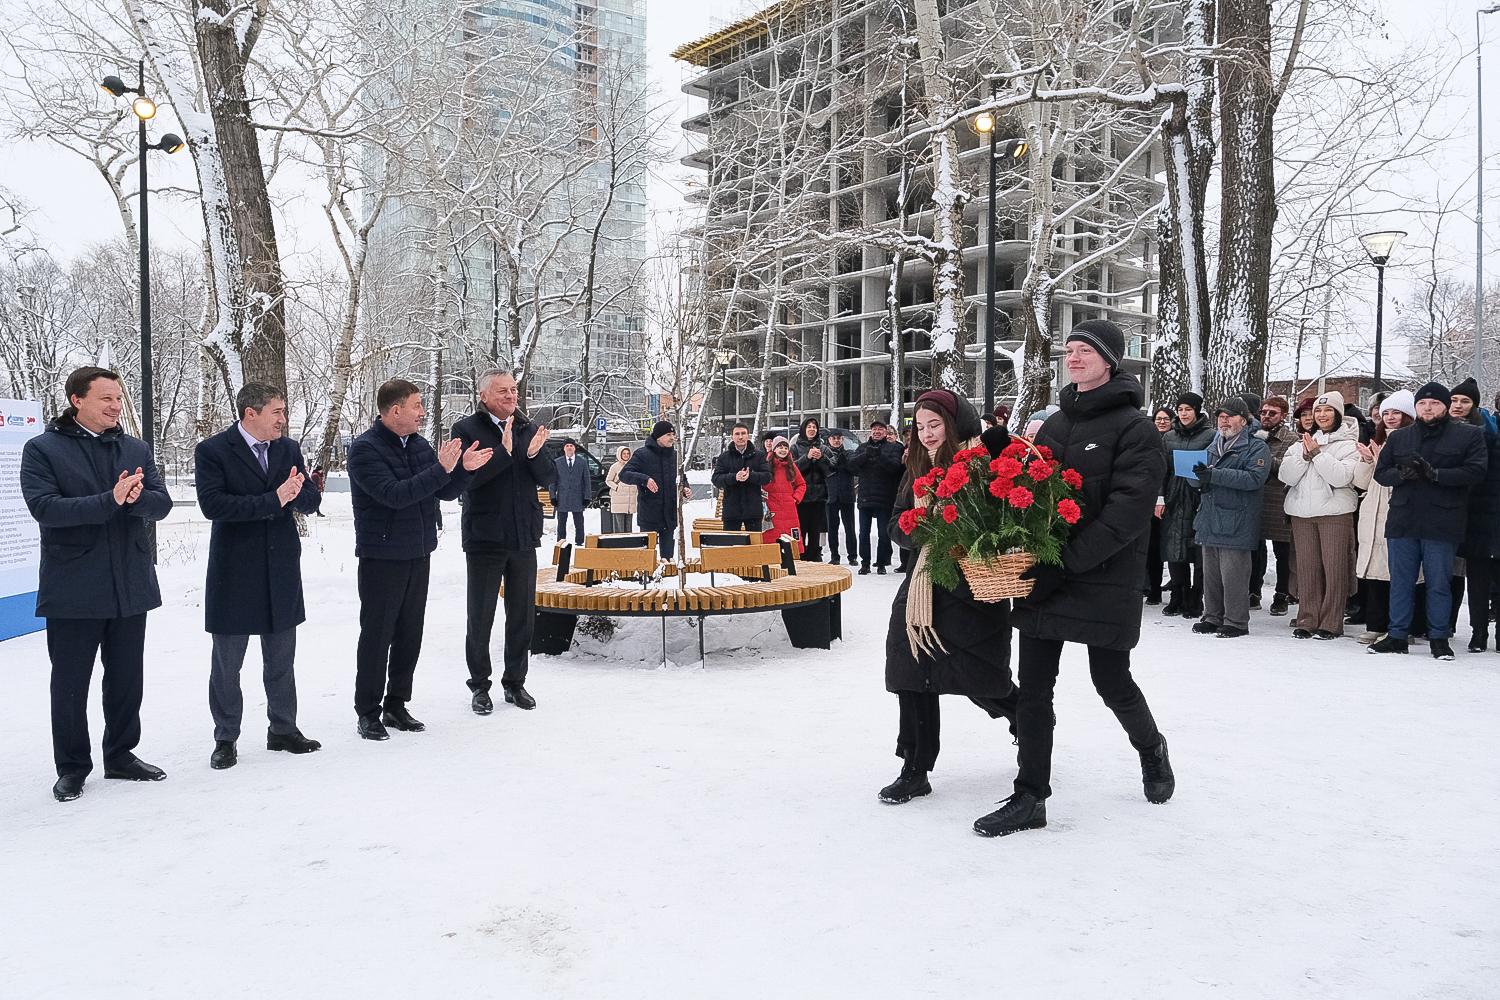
950 334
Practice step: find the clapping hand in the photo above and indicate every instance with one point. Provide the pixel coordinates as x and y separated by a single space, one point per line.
476 456
1408 473
1368 453
448 455
287 491
1424 468
128 488
1310 446
815 453
537 440
742 475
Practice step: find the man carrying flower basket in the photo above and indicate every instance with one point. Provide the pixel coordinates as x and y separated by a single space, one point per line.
1092 594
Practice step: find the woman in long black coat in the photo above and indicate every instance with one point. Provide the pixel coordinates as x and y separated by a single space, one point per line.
974 657
1191 431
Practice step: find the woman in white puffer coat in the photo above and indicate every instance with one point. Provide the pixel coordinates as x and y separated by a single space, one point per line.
1322 473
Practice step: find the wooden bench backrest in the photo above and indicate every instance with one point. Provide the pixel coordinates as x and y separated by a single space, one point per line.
622 540
739 556
615 560
717 539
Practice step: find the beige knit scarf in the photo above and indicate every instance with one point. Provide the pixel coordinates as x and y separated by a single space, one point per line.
919 631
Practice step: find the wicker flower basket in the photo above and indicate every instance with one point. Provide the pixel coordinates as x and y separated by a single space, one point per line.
1000 578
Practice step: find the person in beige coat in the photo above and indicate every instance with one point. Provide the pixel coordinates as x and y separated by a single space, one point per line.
1396 411
1322 472
622 496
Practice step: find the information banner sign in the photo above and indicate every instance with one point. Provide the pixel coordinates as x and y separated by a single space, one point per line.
20 537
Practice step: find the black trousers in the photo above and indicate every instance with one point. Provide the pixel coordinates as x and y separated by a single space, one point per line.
487 571
1483 606
562 525
882 518
743 524
842 512
1154 561
1378 605
392 611
812 517
1038 666
72 645
1187 578
921 723
1258 567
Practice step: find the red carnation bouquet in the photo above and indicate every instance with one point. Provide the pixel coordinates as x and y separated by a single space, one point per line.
991 520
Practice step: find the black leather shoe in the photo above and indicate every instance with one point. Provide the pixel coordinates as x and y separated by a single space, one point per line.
1205 627
909 784
224 756
68 787
864 571
1279 605
1480 642
1022 811
292 742
1301 633
1231 632
1390 644
397 717
1153 602
1440 649
371 729
135 769
1156 773
880 571
1174 606
481 703
516 695
1325 634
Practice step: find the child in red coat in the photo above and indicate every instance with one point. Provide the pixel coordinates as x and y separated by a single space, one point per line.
784 492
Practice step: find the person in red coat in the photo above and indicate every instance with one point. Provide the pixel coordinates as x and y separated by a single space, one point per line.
785 490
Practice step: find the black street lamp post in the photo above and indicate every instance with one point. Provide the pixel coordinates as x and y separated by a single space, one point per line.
724 358
984 123
1379 246
145 110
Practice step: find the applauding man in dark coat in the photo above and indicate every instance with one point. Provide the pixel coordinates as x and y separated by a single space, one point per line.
395 483
250 480
502 528
1095 596
94 490
878 464
740 473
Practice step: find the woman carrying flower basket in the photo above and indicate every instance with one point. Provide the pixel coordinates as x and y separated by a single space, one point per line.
942 639
784 492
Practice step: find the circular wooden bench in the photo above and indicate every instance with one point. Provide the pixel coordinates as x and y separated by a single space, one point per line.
808 599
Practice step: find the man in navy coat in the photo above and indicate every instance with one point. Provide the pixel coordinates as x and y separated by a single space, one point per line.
94 490
395 482
574 490
250 480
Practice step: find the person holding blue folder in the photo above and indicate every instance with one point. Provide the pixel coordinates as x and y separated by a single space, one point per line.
1230 476
1177 506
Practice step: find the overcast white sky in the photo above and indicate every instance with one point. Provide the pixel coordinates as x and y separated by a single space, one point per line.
73 207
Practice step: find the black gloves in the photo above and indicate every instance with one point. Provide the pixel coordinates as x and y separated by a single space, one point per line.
1424 468
1205 475
995 439
1408 473
1047 579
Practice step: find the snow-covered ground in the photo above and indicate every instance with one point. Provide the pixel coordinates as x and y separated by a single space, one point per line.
687 832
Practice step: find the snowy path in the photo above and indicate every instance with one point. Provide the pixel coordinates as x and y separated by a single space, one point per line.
678 832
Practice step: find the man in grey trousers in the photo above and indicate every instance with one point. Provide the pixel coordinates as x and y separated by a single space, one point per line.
250 480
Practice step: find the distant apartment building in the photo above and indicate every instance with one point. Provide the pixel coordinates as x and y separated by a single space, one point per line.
830 335
568 53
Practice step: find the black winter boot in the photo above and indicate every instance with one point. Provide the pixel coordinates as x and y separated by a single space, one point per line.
1156 773
1278 605
909 784
1441 650
1480 642
1022 811
1390 644
1174 606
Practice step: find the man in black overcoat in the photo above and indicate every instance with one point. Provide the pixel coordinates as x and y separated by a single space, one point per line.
395 482
740 473
95 491
250 479
653 469
502 527
1095 596
879 465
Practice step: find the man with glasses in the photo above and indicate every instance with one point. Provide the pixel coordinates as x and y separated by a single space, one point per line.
1275 525
502 526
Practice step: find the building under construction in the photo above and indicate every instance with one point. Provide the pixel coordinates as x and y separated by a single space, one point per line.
814 149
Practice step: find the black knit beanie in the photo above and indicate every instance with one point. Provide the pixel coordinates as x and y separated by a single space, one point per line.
1433 390
1104 337
662 427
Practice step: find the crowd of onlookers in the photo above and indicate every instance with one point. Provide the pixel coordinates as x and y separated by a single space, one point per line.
1373 519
